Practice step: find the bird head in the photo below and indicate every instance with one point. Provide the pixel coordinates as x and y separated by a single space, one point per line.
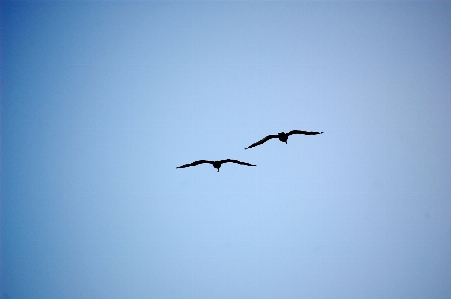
217 165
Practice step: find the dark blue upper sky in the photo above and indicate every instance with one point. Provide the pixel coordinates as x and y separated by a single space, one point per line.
101 101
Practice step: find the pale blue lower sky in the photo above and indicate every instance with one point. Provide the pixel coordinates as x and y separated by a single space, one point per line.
101 101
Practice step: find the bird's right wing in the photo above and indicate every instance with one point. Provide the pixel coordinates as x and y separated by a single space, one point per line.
262 141
238 162
303 132
195 163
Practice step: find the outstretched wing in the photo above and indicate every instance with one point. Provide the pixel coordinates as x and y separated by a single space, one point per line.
262 141
237 162
195 163
303 132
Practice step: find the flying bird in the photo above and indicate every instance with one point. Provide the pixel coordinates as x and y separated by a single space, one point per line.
282 137
216 164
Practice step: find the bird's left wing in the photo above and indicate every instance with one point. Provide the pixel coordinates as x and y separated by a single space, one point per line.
304 132
236 161
194 163
262 141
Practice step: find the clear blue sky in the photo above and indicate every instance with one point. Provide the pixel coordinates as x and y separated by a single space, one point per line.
101 101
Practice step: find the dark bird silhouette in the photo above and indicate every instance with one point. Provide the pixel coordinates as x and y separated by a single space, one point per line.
216 164
282 137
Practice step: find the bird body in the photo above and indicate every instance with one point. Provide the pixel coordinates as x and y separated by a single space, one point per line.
282 137
216 164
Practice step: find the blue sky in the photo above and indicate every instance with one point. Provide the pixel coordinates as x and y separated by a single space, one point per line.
101 101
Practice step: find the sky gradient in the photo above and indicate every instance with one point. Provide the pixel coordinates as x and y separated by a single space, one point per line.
101 101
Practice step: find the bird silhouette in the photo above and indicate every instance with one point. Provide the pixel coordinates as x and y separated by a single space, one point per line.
282 137
216 164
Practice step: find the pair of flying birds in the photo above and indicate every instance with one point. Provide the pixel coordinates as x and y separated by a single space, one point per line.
282 137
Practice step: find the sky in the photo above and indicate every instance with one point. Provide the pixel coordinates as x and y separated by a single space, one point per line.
101 101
